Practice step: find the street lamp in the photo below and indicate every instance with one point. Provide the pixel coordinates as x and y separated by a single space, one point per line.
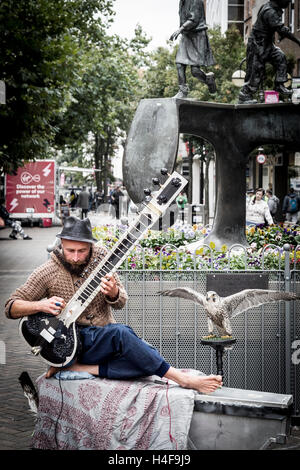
238 77
261 158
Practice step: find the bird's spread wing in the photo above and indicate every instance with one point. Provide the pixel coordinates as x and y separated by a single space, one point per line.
184 293
248 298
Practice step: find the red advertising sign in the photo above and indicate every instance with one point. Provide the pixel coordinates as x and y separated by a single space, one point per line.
32 190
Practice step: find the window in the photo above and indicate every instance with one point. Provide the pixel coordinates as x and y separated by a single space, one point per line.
236 15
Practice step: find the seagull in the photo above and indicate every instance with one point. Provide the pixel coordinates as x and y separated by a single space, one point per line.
220 310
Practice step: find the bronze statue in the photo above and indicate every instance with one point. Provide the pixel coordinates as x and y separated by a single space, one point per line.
261 49
194 49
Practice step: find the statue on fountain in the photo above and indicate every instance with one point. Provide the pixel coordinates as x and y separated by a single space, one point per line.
194 48
261 49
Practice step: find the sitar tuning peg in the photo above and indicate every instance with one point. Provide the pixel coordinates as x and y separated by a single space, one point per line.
164 172
147 192
176 182
156 182
162 199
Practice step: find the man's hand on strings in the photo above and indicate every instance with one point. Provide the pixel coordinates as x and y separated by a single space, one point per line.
53 305
109 286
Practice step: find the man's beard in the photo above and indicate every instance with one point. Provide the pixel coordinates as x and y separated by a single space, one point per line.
75 269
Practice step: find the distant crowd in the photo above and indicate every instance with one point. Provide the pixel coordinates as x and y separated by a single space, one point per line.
87 201
263 207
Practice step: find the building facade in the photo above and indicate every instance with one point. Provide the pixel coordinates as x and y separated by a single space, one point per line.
225 14
291 18
282 168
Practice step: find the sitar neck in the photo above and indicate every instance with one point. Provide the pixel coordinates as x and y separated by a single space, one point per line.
109 264
153 209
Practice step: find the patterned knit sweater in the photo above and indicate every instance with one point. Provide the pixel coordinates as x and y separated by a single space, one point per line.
52 278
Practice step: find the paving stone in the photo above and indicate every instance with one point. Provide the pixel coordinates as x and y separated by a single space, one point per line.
16 421
17 261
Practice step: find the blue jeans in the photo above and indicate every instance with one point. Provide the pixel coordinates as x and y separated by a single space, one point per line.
120 353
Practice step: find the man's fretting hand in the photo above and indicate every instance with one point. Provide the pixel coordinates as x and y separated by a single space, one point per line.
109 286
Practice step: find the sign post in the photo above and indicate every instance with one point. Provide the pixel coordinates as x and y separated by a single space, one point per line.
2 92
261 159
31 192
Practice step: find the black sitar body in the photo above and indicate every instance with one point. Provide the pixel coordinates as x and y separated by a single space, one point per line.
51 339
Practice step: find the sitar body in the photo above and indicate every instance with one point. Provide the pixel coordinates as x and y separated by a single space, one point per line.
51 339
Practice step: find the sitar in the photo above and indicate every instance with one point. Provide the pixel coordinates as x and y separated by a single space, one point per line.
56 338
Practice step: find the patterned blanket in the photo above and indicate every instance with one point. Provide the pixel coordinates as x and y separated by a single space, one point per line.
142 414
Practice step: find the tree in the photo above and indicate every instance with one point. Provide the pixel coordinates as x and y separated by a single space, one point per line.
41 45
103 104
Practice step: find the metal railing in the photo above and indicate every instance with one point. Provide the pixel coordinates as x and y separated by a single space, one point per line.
266 355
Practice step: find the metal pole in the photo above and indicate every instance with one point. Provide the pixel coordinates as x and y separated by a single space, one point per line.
287 286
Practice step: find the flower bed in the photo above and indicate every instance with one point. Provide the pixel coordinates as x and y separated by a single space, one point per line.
169 250
258 237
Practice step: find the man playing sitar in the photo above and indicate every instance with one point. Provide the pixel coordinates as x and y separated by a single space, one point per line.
108 349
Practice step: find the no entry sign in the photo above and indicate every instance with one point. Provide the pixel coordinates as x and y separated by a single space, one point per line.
261 158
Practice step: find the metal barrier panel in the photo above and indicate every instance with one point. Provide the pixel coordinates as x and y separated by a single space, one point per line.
295 339
266 356
175 327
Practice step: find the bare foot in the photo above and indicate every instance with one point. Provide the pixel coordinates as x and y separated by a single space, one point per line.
204 383
201 383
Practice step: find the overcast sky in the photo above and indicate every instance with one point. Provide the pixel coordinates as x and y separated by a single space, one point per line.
158 18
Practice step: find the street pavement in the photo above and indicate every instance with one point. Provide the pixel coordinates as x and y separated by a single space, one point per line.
18 258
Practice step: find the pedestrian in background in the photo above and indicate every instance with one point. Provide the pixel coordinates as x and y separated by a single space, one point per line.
181 201
273 203
124 202
99 198
250 194
116 200
291 206
83 202
257 210
64 210
73 199
91 200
